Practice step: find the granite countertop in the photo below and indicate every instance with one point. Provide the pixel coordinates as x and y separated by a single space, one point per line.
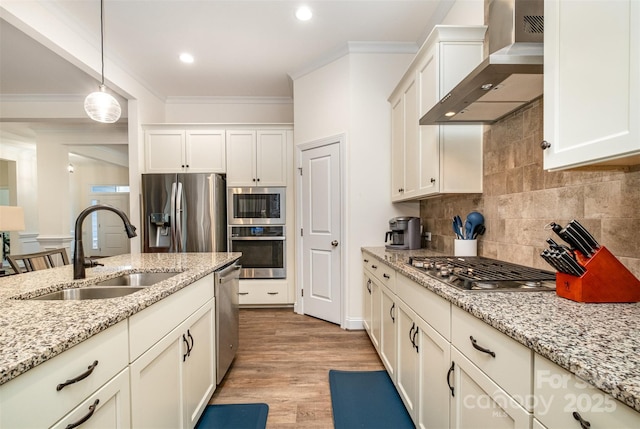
599 343
32 332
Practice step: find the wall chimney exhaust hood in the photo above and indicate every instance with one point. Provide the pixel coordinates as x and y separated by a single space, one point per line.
510 77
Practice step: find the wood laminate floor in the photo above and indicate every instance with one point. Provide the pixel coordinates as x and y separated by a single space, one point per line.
284 361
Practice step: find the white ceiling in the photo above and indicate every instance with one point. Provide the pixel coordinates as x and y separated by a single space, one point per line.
241 48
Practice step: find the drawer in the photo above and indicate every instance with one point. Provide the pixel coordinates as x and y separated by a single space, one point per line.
436 311
507 362
382 272
148 326
256 292
32 400
560 393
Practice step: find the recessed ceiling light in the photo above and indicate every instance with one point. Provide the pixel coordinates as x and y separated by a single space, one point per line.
186 58
303 13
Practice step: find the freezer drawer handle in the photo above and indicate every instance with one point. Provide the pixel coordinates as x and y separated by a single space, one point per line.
92 409
583 423
82 376
453 365
480 348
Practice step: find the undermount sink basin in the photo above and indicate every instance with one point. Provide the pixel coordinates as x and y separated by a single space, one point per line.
89 293
137 279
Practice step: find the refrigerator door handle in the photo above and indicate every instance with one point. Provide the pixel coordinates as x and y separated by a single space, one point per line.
178 218
173 221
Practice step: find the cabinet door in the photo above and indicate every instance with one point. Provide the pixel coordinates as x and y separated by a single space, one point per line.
376 309
241 158
434 363
388 334
368 298
429 134
164 151
109 407
156 385
205 151
407 368
397 148
411 140
200 365
478 402
591 106
271 158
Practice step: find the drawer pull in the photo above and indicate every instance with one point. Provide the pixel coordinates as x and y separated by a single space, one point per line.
272 293
243 293
480 348
386 276
366 261
375 267
82 376
583 423
92 409
453 365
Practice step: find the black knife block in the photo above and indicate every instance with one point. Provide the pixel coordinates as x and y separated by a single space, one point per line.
606 280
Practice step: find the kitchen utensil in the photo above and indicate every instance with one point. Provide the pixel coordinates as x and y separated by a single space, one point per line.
474 219
480 230
457 227
586 235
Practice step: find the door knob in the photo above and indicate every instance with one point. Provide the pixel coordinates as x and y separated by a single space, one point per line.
334 243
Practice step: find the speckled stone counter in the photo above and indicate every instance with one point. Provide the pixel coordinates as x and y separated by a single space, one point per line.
599 343
32 332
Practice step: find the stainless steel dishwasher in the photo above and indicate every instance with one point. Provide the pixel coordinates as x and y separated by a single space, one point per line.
227 317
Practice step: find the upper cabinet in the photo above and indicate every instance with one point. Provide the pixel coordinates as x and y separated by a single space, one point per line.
435 159
257 157
591 83
184 151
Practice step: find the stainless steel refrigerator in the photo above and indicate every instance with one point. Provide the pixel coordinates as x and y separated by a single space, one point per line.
184 212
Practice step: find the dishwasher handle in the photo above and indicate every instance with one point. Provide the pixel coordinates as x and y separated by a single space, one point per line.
229 273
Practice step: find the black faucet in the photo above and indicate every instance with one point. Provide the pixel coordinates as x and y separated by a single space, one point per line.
78 249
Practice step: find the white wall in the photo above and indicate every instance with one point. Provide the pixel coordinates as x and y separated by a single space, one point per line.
234 110
465 12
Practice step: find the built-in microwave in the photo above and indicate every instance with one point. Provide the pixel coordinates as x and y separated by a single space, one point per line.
256 206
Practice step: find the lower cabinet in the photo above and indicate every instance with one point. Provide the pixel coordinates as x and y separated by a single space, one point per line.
107 408
388 330
172 382
263 292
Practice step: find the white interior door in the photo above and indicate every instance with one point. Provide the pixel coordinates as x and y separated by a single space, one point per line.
107 234
321 220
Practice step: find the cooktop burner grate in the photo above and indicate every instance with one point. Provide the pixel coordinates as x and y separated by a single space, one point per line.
479 273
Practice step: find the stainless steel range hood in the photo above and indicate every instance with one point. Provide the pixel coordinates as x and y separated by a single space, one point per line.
509 78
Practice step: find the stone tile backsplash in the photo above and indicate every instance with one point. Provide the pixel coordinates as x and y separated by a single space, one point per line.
520 198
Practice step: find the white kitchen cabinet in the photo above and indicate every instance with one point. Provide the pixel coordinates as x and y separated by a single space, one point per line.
93 363
435 159
367 304
388 331
185 151
478 402
263 292
562 399
172 382
591 83
107 408
257 157
407 378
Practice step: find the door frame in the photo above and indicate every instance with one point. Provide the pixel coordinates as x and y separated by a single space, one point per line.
340 139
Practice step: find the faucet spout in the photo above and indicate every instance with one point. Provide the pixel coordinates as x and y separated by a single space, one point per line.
78 248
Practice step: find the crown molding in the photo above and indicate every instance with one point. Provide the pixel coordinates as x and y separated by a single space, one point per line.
227 100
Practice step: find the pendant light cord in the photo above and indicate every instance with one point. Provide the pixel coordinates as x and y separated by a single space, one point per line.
102 37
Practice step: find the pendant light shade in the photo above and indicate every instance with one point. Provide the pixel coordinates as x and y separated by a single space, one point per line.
100 105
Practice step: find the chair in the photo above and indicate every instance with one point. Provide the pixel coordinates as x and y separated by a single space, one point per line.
39 260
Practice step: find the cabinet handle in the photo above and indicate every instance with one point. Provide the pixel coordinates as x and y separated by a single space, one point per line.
401 190
433 180
413 340
243 293
258 179
386 276
92 409
480 348
82 376
393 319
584 424
192 342
453 365
369 286
366 261
545 145
272 293
254 179
375 267
184 356
413 326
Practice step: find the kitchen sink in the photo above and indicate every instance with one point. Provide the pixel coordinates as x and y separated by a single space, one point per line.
89 293
137 279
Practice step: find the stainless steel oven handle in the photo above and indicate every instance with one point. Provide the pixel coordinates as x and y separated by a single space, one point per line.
257 238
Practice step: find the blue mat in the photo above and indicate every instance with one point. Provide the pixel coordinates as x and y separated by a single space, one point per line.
234 416
366 399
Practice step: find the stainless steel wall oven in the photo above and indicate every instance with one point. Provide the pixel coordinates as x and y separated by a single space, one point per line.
263 250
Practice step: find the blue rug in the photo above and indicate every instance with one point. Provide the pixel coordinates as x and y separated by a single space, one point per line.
366 399
234 416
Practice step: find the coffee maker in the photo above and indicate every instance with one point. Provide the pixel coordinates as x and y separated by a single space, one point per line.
404 233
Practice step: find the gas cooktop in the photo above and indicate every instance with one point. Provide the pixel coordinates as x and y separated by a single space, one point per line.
484 274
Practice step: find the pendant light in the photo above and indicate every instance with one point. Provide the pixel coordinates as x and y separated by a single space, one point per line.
100 105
